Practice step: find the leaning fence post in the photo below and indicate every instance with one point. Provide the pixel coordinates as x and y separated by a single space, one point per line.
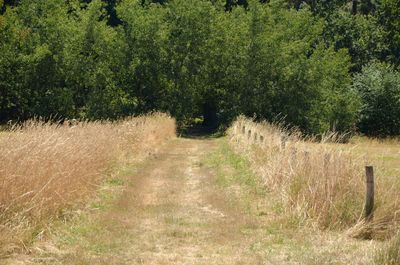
369 198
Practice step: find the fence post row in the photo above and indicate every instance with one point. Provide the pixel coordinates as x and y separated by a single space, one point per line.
369 172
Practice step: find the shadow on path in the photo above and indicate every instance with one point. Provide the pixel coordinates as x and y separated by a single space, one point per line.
200 132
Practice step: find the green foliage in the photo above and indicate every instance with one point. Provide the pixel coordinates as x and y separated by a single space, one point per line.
30 78
61 60
189 31
145 34
278 59
292 76
379 87
95 66
362 35
225 68
389 15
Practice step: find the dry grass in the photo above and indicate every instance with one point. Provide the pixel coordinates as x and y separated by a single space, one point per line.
390 254
385 156
46 169
321 182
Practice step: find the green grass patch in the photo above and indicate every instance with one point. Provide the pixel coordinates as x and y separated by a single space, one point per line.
108 193
84 230
233 169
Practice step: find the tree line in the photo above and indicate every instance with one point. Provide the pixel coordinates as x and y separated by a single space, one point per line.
317 65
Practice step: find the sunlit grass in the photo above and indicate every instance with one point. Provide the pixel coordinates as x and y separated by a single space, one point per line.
323 182
283 235
47 169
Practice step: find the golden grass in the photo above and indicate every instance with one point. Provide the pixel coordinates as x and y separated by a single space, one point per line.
46 169
385 156
322 182
390 254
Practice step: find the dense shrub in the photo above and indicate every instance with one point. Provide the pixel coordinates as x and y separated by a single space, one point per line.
379 88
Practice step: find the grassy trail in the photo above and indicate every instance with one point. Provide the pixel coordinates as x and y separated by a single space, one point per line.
196 202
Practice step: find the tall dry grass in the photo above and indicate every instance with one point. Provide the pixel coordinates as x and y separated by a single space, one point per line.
46 168
321 182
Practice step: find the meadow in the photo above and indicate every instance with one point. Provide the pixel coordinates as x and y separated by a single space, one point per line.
281 190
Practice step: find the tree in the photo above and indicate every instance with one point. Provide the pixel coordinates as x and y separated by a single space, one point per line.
31 80
226 66
146 36
189 32
389 13
293 74
362 35
94 65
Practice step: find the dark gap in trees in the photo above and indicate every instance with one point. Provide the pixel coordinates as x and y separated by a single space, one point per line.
210 114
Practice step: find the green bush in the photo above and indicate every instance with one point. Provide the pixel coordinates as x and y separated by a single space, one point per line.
379 88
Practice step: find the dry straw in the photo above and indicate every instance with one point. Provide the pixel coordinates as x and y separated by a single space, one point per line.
46 168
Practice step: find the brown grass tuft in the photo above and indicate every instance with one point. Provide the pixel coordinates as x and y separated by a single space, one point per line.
47 168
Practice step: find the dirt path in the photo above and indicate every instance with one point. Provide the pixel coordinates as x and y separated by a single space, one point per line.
173 213
195 202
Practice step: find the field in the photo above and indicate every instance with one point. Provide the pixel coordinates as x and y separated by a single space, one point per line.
48 170
321 183
129 192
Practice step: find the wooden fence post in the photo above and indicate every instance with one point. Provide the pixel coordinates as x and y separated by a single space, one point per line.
327 159
369 198
283 142
294 155
307 162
